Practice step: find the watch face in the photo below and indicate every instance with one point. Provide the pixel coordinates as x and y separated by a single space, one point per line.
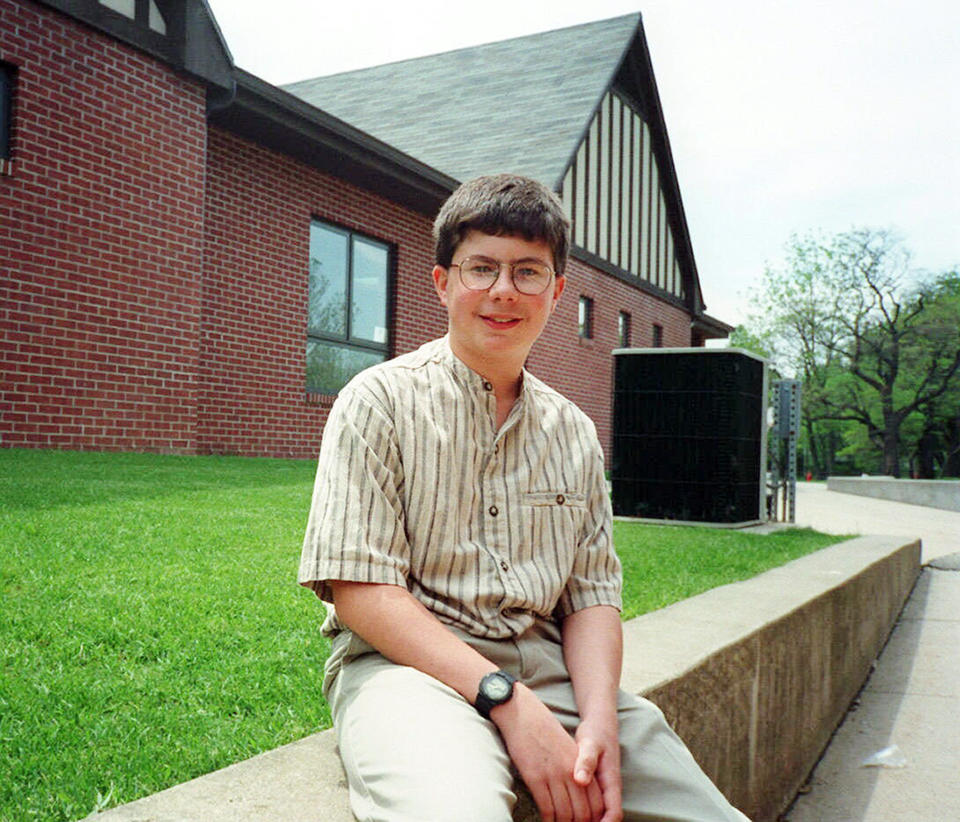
496 688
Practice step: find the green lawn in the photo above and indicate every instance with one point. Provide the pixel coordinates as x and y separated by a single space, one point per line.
152 630
665 563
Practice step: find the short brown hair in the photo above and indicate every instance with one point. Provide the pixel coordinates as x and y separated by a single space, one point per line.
503 204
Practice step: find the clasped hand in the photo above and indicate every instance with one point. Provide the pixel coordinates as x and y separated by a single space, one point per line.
570 779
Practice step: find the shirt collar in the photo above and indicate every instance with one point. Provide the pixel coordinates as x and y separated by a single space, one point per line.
471 378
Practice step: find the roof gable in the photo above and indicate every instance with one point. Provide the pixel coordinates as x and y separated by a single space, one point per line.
448 110
524 105
188 37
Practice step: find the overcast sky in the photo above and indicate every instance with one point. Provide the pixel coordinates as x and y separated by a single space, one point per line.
784 117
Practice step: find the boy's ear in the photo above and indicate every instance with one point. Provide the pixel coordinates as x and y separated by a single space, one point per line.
440 275
559 283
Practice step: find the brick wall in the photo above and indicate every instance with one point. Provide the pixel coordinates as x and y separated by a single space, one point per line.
100 242
582 369
253 342
155 271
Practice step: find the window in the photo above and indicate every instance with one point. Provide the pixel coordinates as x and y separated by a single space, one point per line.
347 325
143 12
623 329
128 8
585 318
6 110
657 336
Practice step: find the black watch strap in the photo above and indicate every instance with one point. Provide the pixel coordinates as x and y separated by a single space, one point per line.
495 689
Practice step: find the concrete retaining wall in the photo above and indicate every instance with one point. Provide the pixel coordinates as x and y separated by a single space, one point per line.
931 493
755 676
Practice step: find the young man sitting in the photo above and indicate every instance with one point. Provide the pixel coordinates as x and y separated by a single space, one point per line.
461 527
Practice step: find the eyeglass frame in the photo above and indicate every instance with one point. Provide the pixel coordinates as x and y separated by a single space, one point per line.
512 266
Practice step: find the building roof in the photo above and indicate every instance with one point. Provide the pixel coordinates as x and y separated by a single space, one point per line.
522 105
269 116
190 41
519 105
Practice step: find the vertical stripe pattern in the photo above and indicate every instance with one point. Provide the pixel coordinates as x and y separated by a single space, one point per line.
613 192
488 529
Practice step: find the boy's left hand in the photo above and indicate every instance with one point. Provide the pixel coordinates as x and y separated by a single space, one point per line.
598 756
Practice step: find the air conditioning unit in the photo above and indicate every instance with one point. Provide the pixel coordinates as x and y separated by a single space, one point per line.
689 435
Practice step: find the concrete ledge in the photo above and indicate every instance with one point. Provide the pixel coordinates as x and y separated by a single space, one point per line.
755 676
943 494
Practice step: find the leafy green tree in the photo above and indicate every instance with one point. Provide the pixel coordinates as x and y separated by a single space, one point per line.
936 447
872 347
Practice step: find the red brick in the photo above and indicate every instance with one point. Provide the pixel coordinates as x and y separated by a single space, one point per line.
156 268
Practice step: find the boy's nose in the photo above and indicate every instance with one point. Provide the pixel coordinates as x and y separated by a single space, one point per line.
503 287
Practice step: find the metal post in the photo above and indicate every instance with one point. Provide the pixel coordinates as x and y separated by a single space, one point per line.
787 428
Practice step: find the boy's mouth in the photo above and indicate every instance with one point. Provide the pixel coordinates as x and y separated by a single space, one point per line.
500 322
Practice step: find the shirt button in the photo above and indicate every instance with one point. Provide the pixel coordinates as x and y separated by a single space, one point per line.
494 510
504 565
560 499
487 386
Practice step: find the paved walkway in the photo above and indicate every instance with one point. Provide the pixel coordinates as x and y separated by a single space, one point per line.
835 513
912 700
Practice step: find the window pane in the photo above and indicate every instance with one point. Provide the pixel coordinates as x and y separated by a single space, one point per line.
128 8
657 336
157 23
328 281
6 94
585 317
330 366
368 313
624 329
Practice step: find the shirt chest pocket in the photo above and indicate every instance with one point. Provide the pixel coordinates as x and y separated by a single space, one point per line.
553 524
541 499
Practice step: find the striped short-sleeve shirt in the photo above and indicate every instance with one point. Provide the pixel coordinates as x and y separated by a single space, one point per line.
490 529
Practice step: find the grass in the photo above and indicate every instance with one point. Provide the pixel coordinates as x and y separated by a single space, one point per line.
665 563
151 628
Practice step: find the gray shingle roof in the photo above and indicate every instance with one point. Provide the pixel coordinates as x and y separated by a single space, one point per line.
518 105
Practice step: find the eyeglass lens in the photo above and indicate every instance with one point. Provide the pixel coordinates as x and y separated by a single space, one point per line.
529 277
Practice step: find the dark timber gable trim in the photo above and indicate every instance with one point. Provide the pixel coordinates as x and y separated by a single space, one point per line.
653 217
269 116
192 43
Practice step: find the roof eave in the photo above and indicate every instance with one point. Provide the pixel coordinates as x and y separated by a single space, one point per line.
637 68
193 42
711 328
281 121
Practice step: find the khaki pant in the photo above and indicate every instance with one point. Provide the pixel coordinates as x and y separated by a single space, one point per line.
415 751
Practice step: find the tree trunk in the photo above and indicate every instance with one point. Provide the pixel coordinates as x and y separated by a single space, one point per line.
926 456
818 469
951 463
891 446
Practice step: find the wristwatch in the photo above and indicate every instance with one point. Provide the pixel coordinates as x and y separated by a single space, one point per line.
495 689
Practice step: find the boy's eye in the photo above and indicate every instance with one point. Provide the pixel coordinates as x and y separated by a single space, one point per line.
527 272
481 268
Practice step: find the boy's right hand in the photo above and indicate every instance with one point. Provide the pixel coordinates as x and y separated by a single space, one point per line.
545 756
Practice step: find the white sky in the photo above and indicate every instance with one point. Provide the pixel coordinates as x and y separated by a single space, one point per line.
784 116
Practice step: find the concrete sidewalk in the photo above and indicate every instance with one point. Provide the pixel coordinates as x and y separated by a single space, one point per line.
912 699
835 513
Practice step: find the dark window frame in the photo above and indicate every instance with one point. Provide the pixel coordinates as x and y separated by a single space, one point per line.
585 317
657 335
624 328
7 88
348 340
